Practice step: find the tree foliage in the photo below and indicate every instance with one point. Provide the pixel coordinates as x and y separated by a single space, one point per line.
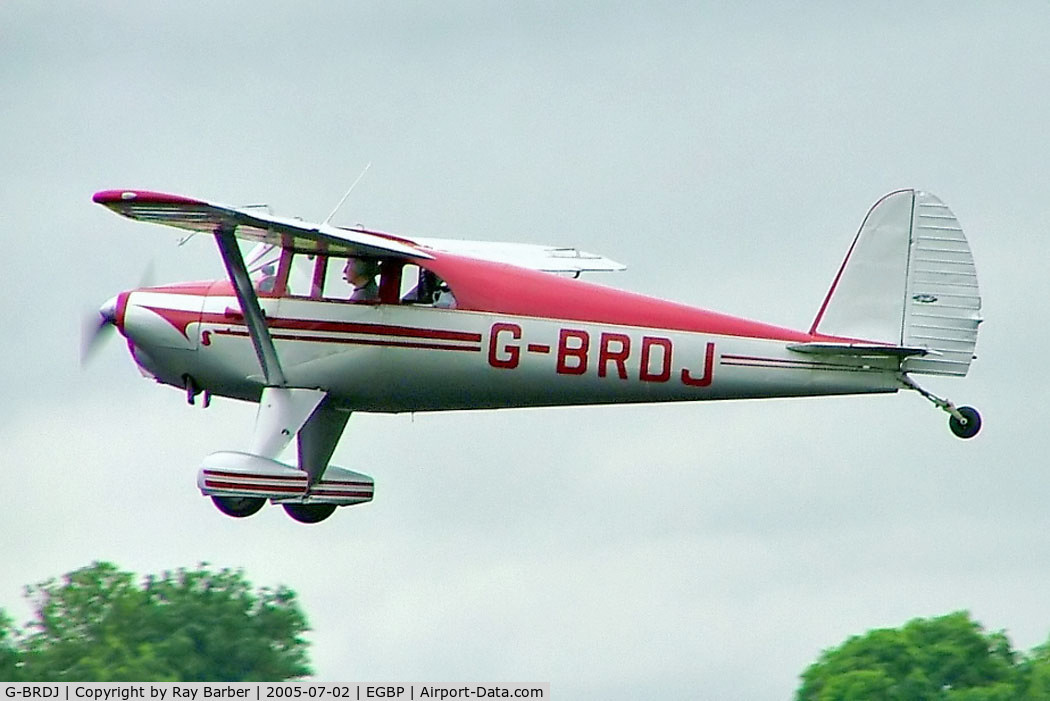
8 651
948 658
99 624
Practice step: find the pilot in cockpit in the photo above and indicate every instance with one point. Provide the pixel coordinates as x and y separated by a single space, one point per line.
361 274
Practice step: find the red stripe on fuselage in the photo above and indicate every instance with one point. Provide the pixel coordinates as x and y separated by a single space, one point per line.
353 341
181 319
352 327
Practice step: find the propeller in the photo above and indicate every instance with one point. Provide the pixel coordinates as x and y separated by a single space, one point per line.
95 328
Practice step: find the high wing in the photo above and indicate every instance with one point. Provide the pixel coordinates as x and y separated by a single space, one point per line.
209 217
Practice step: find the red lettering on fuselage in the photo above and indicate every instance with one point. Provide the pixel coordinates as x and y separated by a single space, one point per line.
709 366
655 359
509 355
645 372
576 351
619 357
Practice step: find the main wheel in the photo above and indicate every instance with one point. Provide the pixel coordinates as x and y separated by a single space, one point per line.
238 507
968 428
309 513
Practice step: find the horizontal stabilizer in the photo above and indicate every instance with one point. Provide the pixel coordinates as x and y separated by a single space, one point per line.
857 350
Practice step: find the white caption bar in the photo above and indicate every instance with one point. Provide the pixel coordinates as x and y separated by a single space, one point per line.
264 691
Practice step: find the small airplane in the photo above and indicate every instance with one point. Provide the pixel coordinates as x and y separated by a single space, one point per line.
318 321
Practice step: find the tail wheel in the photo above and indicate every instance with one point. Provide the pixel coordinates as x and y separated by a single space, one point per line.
967 428
238 507
965 422
309 513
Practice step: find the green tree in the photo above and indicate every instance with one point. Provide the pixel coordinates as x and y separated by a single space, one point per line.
99 624
1035 674
8 649
949 658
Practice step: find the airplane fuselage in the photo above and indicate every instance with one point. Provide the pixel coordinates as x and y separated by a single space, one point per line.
405 358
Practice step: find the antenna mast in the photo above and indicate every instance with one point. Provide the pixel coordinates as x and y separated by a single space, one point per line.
329 217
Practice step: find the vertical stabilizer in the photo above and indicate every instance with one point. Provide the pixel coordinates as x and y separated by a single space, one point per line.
908 280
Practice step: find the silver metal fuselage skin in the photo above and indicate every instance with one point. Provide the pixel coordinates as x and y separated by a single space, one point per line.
406 358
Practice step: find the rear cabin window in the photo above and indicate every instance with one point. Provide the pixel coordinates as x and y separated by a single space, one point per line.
409 283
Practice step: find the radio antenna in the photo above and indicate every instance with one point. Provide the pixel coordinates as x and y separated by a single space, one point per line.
329 217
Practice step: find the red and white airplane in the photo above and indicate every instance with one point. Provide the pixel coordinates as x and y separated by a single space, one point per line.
319 321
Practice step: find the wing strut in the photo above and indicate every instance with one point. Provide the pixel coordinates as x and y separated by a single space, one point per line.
253 314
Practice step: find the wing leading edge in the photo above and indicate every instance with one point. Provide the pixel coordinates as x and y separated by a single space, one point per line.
208 217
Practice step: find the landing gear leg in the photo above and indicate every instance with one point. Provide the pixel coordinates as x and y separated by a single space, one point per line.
191 389
964 421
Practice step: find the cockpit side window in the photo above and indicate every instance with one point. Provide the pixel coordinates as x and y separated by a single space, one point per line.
352 279
335 285
297 274
362 280
300 273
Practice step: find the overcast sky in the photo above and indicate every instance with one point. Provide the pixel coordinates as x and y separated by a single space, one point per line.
727 155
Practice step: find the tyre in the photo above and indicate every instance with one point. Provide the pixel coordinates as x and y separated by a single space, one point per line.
309 513
238 507
970 427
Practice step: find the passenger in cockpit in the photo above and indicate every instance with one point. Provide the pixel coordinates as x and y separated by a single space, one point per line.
362 275
268 281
